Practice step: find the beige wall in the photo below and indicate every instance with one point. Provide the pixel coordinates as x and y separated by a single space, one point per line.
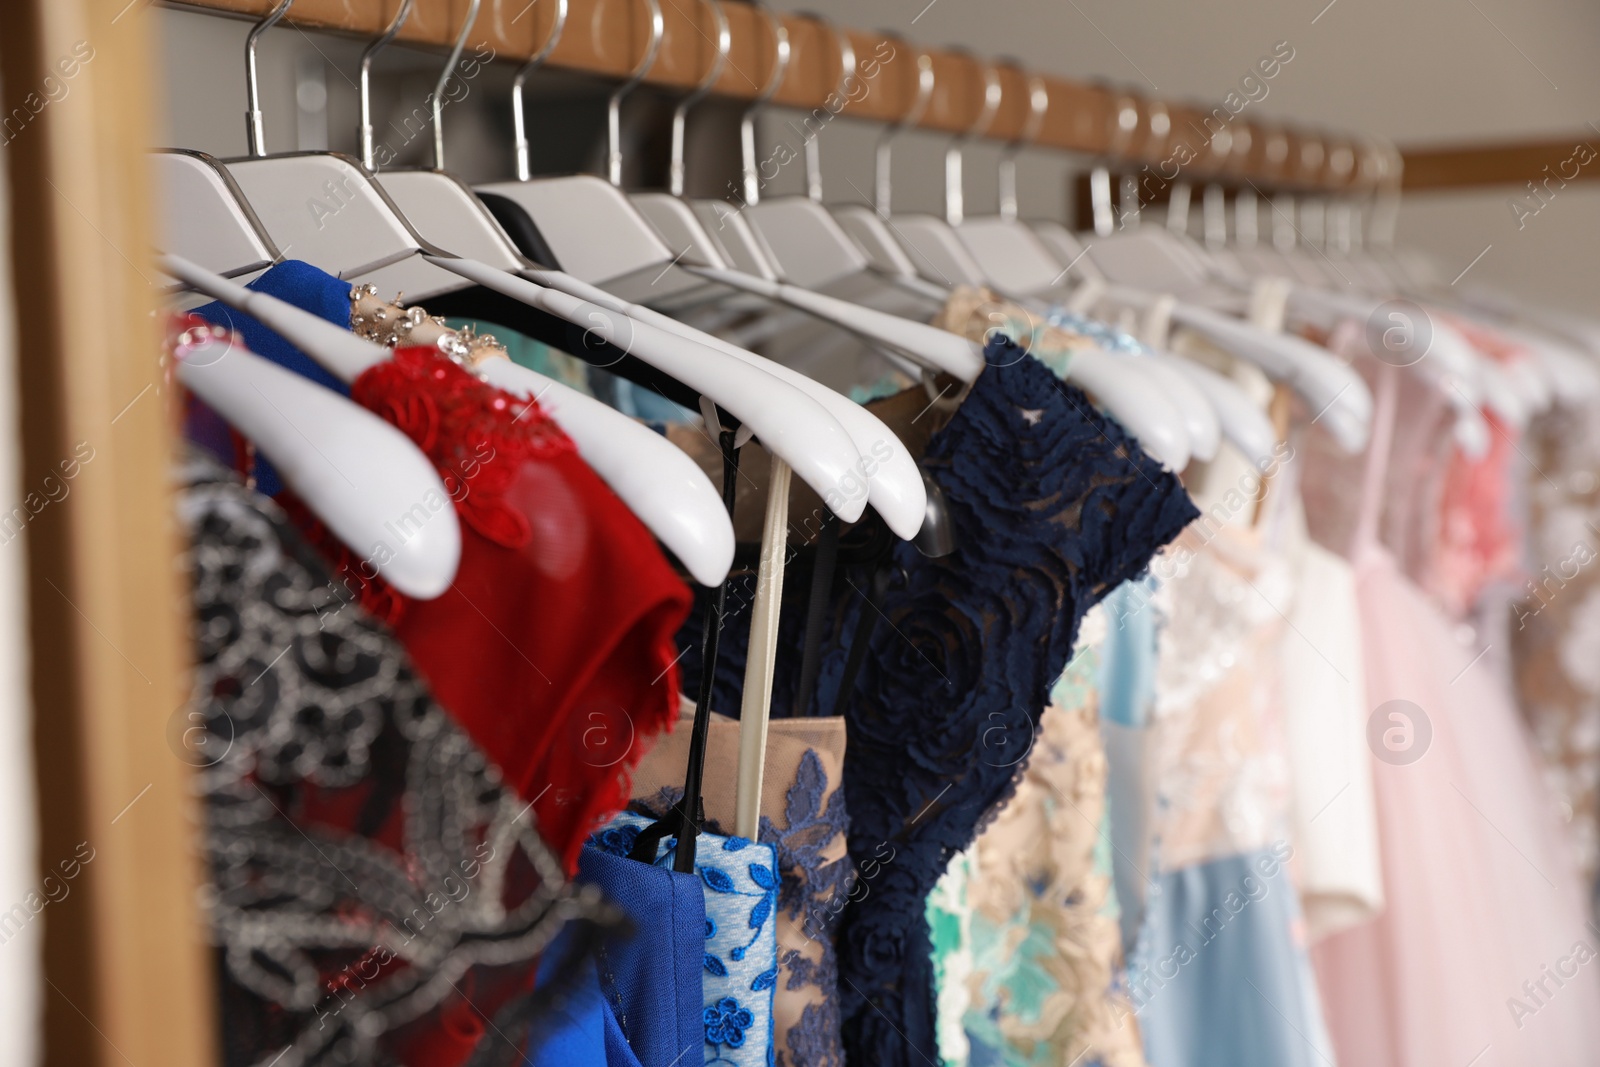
1423 71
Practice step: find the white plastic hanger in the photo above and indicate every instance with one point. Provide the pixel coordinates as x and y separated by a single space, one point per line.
807 244
927 242
362 477
664 487
669 212
1140 258
601 238
1148 403
659 483
892 482
369 223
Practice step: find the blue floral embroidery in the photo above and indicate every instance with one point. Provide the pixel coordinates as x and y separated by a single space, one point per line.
810 894
726 1021
617 840
739 965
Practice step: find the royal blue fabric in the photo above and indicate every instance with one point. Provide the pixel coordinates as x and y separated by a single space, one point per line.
1054 505
573 1032
308 289
651 980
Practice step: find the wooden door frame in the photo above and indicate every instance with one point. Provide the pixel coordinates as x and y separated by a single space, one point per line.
127 969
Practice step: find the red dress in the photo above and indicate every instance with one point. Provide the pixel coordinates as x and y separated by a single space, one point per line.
554 645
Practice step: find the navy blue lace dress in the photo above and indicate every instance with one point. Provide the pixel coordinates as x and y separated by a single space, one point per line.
1054 506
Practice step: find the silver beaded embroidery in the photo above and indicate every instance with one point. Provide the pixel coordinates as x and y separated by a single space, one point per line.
294 684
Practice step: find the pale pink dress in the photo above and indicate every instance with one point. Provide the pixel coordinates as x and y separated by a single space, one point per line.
1481 892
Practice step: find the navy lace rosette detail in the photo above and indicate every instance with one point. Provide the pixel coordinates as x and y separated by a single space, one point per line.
1054 506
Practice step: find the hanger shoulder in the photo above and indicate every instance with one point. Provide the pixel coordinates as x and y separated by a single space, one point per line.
203 217
447 214
660 484
362 477
808 248
741 246
680 228
936 251
789 423
1012 258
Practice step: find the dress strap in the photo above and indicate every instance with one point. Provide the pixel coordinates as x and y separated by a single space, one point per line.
1378 450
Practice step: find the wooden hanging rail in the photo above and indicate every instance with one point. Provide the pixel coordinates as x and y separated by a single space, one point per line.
1547 164
607 37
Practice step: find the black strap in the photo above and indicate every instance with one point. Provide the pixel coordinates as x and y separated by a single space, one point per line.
865 625
822 567
688 815
692 812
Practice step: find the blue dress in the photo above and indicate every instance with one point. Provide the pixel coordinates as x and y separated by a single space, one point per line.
308 289
650 982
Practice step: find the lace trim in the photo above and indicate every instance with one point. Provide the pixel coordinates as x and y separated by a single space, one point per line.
461 423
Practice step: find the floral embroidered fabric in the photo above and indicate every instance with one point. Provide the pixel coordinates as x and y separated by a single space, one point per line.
740 963
553 646
1046 943
1556 627
378 893
805 822
1053 506
1223 771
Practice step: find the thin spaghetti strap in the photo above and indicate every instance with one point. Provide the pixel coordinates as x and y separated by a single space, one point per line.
1372 481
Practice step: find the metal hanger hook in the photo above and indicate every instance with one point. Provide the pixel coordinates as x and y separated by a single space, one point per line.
747 121
847 70
680 114
954 193
882 184
519 124
444 80
254 134
1038 106
658 30
367 57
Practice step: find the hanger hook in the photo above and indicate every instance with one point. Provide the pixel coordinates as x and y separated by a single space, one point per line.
747 121
954 193
847 70
367 57
1123 123
519 123
444 80
658 30
913 115
1038 105
256 137
680 114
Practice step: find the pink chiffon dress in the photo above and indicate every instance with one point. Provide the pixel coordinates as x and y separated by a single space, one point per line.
1481 955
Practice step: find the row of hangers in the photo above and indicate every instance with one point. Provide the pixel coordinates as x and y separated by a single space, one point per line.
628 259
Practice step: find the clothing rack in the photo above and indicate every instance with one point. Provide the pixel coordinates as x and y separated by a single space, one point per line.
1109 123
125 955
1116 125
